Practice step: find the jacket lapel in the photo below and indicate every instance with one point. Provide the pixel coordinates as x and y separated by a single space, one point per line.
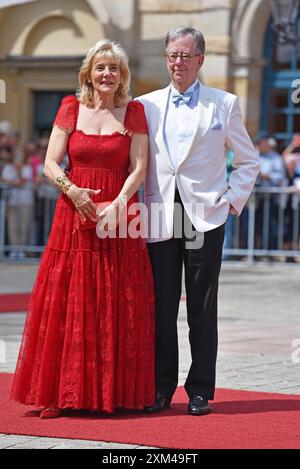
157 122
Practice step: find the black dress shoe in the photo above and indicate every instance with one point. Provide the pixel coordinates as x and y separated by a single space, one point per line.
161 402
198 406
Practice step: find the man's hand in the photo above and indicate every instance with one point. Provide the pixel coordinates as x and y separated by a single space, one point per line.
264 177
233 211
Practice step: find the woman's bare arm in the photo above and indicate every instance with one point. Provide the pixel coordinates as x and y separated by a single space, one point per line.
55 153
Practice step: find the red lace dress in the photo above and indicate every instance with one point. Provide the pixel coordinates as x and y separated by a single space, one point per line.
88 341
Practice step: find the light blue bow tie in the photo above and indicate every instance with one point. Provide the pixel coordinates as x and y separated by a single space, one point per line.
182 98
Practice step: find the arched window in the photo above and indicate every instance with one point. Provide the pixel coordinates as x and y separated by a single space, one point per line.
280 116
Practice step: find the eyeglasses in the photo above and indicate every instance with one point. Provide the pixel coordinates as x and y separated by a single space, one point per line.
185 57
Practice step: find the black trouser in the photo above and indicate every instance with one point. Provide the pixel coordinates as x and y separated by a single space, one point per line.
202 268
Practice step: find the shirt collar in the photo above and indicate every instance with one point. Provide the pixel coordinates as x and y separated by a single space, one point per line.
191 88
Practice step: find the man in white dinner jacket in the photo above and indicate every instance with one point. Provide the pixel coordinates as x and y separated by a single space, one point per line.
190 128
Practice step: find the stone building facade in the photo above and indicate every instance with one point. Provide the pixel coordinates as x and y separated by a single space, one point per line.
42 43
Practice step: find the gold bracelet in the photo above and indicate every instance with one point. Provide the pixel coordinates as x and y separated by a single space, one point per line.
63 183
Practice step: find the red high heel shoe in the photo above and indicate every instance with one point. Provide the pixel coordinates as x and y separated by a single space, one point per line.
50 413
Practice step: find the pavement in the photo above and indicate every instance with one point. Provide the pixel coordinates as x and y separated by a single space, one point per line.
259 336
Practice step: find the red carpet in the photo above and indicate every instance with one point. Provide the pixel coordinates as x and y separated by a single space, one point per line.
240 419
13 302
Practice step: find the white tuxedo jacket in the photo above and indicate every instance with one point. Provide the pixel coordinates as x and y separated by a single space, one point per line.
201 174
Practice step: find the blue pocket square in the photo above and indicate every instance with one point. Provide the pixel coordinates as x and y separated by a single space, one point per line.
217 126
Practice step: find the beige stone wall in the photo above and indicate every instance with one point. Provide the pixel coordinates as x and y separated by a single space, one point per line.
187 6
21 86
42 31
46 28
249 25
211 17
234 32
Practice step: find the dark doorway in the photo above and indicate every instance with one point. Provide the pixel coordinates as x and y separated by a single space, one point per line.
46 104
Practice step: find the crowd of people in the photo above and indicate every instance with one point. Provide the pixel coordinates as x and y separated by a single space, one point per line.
30 199
277 199
279 170
27 195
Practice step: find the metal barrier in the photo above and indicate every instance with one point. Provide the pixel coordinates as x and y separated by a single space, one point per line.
269 226
38 223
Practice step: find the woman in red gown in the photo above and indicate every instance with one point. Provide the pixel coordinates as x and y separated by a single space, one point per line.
88 341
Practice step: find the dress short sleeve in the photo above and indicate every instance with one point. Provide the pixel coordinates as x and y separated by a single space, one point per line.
136 119
67 114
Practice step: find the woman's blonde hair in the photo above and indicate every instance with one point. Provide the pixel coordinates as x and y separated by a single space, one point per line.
104 49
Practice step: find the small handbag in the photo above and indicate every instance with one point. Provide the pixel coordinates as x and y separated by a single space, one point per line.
89 224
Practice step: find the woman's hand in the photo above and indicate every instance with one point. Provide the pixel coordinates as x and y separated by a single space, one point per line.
108 219
81 199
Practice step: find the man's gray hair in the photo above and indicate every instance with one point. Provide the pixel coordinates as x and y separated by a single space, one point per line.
180 31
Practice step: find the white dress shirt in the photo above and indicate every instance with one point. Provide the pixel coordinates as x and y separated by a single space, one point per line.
180 123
